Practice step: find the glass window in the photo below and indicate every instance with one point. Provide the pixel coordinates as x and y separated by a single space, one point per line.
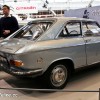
71 29
33 31
90 28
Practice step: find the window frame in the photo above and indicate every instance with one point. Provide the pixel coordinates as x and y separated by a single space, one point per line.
87 27
70 36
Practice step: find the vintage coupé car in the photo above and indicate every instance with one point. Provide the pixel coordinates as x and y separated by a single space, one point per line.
52 48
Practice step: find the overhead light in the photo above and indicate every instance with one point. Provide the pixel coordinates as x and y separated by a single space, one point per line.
47 2
44 6
15 0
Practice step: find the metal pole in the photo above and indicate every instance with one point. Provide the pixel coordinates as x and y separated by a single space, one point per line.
3 1
90 3
99 93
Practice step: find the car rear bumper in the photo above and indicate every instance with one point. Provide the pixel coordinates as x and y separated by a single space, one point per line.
23 72
19 71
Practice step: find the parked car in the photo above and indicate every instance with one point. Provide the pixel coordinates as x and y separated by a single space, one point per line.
52 48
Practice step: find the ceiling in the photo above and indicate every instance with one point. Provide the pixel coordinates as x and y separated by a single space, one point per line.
70 4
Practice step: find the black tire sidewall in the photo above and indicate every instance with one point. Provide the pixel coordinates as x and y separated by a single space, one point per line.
48 76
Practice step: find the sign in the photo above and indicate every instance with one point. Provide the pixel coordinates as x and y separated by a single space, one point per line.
23 8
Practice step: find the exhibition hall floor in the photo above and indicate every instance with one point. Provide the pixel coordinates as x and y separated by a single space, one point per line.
88 79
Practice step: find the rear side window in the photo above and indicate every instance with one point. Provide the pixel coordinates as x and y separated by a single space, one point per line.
71 29
90 28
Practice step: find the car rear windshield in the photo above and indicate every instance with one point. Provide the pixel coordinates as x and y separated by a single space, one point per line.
33 30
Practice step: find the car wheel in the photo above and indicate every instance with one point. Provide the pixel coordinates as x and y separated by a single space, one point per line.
57 76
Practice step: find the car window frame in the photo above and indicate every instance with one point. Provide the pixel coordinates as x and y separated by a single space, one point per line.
91 22
75 21
30 23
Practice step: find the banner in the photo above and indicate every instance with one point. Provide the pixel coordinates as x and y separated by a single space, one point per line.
23 8
90 13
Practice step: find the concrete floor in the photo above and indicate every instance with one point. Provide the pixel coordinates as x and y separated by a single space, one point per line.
88 79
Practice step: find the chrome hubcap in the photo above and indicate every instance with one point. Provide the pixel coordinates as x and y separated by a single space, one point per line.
59 75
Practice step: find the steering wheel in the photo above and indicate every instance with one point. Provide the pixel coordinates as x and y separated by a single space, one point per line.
73 31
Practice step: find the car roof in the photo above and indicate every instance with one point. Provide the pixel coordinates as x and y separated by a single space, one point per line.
62 19
73 18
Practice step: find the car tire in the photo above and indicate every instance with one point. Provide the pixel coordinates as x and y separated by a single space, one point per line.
57 76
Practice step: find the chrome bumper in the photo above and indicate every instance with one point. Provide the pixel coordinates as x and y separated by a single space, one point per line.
23 72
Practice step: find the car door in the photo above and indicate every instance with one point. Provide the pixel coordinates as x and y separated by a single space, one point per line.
92 41
74 43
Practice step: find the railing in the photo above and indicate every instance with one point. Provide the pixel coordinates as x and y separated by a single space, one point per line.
54 90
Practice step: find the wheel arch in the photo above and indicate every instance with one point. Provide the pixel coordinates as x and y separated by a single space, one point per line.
66 61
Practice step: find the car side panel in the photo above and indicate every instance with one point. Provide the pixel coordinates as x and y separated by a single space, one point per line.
68 48
92 51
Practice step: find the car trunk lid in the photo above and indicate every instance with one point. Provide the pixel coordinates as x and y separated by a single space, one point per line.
12 45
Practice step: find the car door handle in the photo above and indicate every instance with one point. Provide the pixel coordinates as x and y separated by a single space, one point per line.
88 40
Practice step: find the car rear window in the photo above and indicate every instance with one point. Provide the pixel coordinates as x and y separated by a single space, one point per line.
33 30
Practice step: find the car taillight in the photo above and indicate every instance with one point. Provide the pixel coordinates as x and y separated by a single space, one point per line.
16 63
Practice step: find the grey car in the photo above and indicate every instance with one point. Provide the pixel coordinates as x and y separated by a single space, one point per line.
51 49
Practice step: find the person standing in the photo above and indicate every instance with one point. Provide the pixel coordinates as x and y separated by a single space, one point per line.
86 14
8 23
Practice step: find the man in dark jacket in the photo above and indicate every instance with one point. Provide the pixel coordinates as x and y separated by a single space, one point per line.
8 23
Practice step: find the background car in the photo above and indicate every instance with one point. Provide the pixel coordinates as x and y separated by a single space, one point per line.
52 48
